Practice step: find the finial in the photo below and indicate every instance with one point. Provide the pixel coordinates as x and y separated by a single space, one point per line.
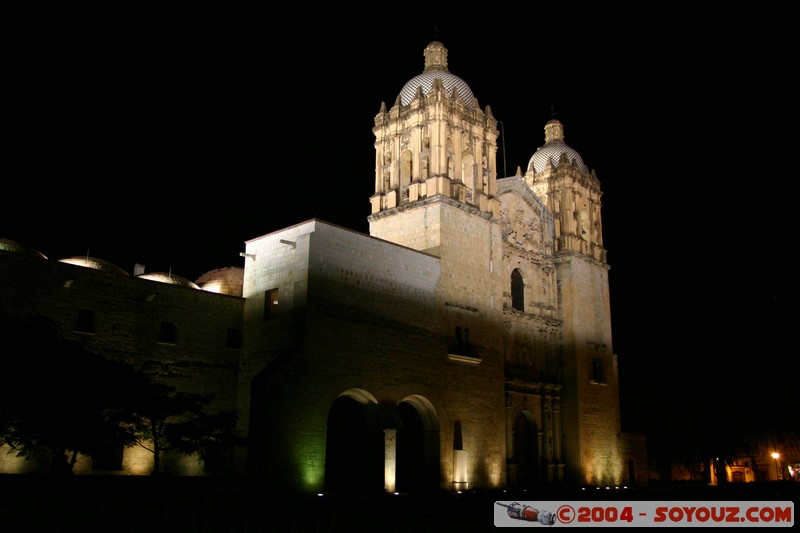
552 111
435 32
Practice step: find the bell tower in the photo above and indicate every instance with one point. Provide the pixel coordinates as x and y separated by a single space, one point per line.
558 176
436 182
433 145
590 406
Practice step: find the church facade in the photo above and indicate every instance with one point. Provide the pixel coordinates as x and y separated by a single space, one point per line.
464 343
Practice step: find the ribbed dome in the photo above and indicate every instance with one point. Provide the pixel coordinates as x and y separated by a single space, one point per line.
228 280
95 263
553 148
436 67
7 245
171 279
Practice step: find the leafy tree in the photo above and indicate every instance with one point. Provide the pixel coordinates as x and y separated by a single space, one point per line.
56 396
164 419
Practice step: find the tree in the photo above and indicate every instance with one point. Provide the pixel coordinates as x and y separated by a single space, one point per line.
55 396
164 419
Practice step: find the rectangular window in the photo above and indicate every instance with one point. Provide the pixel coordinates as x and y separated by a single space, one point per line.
234 339
597 370
270 303
168 334
85 321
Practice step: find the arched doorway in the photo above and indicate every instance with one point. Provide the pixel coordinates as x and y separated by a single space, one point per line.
417 446
353 453
631 472
526 449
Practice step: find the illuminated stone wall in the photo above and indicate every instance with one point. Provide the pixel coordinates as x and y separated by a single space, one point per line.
375 327
414 324
128 313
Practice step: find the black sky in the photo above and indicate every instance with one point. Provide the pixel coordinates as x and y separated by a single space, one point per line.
170 136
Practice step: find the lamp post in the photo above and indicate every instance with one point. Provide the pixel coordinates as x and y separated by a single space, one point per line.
777 457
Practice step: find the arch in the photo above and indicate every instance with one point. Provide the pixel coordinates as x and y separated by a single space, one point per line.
631 472
585 226
525 443
451 165
406 160
353 445
517 290
417 445
468 170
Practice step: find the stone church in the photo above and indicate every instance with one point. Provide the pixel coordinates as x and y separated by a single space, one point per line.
464 343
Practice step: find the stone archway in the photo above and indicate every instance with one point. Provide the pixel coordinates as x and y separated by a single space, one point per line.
353 446
417 467
525 449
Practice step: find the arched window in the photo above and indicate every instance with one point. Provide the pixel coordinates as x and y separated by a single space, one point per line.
517 291
468 169
405 168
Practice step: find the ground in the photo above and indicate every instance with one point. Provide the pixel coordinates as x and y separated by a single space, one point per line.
131 504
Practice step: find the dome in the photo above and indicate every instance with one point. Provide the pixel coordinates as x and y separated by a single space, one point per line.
553 148
170 279
436 67
7 245
228 281
95 263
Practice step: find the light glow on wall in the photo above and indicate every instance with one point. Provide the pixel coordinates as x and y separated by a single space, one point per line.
137 461
460 461
313 477
604 468
214 286
390 460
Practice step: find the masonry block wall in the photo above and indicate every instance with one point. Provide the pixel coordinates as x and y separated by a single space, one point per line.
373 331
127 314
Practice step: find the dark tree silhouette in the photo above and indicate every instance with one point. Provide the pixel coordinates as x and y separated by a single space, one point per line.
55 396
164 419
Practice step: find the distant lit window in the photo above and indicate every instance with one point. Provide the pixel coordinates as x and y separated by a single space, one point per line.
234 339
270 303
85 321
168 334
517 291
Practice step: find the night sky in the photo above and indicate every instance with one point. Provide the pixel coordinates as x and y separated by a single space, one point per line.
170 137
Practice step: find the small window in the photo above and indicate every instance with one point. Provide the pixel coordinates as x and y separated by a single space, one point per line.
168 333
597 370
517 291
85 321
462 341
270 303
234 339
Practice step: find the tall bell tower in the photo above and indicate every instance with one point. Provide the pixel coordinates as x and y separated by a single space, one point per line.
591 418
435 179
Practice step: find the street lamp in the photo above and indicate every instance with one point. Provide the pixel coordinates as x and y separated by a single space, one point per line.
777 456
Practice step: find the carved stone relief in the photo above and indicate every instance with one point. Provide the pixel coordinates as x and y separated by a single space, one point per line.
522 227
